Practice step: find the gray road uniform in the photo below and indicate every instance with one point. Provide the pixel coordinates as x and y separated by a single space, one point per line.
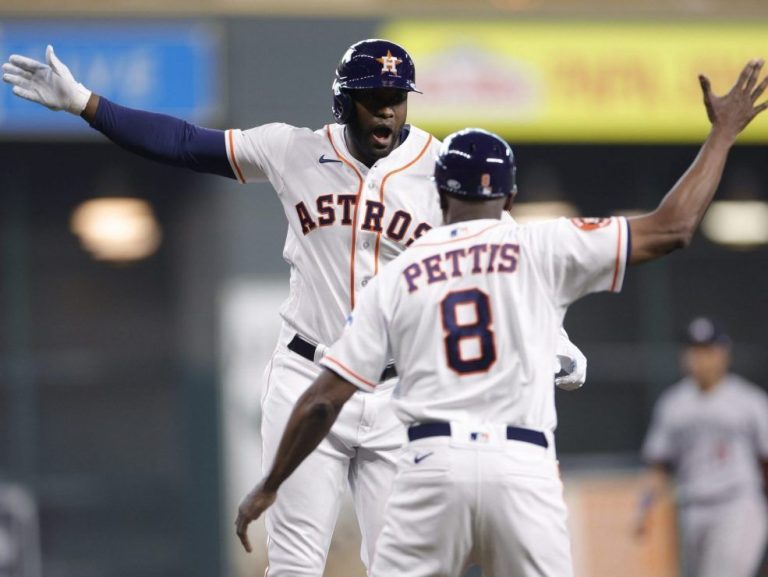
714 442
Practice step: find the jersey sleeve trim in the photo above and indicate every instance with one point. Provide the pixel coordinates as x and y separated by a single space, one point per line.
354 216
381 194
622 254
230 140
348 374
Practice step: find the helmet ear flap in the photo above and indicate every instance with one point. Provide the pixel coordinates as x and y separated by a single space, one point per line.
342 105
514 179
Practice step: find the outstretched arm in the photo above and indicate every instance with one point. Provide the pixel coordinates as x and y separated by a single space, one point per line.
160 137
672 225
156 136
309 423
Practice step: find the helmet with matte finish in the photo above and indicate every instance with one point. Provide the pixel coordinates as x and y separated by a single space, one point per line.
370 64
475 164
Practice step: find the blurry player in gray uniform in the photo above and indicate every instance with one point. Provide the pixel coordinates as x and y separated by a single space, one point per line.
356 193
709 434
471 313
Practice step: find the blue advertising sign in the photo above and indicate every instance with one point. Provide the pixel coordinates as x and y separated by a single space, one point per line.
168 67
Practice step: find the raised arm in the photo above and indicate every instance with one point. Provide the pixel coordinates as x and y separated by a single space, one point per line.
156 136
672 225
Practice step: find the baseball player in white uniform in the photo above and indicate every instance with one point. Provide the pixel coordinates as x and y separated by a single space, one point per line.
470 314
710 434
356 193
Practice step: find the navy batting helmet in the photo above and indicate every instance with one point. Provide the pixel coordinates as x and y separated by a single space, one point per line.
475 164
370 64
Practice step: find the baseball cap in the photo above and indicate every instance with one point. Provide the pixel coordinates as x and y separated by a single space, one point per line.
705 331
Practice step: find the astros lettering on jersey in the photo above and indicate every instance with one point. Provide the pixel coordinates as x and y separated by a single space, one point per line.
346 221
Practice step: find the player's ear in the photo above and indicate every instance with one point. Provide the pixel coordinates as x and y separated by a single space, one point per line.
443 201
510 199
351 117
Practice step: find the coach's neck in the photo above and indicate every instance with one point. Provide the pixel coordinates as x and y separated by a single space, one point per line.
460 210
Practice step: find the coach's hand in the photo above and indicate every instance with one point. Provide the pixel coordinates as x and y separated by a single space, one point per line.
250 509
50 84
730 113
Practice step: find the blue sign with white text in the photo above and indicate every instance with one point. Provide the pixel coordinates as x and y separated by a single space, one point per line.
166 67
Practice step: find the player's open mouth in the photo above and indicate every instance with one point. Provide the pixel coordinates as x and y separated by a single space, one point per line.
382 136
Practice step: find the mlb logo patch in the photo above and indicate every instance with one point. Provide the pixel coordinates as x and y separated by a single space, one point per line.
479 437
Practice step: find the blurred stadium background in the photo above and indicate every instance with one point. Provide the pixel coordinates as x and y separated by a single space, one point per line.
138 303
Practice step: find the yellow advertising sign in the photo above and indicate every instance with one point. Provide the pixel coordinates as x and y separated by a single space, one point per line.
575 81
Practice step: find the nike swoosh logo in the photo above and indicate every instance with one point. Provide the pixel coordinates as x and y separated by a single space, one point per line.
324 160
419 458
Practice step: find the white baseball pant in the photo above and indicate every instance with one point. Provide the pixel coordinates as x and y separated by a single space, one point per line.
361 450
494 502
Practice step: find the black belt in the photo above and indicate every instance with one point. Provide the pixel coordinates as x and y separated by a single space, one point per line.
440 429
304 348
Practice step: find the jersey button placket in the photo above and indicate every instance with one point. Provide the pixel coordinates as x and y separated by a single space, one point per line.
364 261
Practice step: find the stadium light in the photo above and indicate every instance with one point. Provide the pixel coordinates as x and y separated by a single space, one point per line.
737 223
116 229
527 212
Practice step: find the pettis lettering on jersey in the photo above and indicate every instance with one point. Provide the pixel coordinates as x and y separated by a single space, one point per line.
482 258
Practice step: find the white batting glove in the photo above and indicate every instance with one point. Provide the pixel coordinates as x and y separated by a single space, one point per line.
50 84
570 366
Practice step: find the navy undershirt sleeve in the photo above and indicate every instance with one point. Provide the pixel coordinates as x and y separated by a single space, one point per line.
164 138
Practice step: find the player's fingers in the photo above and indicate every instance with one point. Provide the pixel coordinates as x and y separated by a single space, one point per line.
16 71
29 64
241 524
757 92
759 108
245 542
754 75
52 60
26 94
706 87
16 80
745 73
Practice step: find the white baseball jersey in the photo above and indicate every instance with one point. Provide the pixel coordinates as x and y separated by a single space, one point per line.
472 312
714 440
345 221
